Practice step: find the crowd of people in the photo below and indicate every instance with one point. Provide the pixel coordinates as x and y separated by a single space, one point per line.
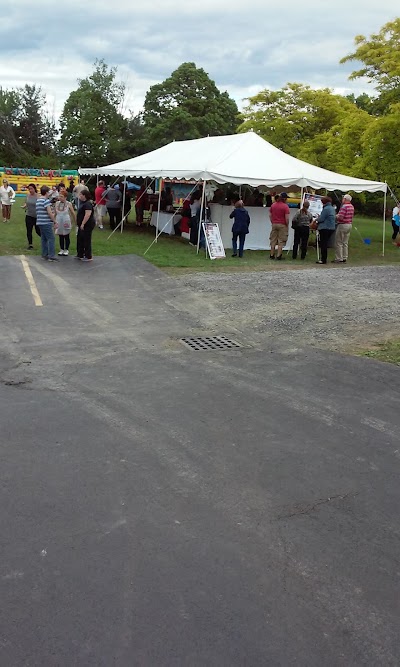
325 225
62 207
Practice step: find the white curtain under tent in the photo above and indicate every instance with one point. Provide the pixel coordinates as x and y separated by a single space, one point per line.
240 159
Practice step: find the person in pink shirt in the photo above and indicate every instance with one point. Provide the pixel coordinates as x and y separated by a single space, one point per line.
344 221
101 209
279 216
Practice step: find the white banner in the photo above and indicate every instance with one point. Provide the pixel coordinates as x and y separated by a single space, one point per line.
214 241
315 203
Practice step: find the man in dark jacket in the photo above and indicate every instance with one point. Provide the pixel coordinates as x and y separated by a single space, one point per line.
240 227
326 227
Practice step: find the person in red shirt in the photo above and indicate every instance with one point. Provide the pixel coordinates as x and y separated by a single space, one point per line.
101 208
344 221
279 216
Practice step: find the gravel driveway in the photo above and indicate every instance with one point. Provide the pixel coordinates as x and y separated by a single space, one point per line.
340 308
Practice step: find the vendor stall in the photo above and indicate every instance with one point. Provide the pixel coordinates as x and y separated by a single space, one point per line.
259 230
240 159
166 221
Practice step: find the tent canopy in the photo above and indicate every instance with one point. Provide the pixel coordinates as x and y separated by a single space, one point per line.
241 159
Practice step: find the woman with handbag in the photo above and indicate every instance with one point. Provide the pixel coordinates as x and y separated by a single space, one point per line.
301 225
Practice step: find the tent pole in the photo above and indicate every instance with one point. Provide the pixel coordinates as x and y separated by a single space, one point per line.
159 206
301 196
123 205
201 215
384 222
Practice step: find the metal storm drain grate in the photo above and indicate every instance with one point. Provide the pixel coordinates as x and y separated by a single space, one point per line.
209 343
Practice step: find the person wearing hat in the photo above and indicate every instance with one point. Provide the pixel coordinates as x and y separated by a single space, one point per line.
240 227
344 221
279 216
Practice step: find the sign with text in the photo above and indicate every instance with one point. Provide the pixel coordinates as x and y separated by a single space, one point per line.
215 246
315 203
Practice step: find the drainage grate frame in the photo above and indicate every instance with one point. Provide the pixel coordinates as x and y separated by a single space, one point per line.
207 343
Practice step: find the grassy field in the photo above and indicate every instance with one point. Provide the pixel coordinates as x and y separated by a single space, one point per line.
175 255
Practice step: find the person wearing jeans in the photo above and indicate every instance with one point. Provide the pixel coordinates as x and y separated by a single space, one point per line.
301 225
45 221
326 227
113 199
240 227
86 224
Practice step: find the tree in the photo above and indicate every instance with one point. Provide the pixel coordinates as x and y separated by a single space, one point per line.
92 126
297 119
187 105
380 58
36 132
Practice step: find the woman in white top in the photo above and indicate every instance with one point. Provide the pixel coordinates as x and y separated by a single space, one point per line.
7 197
65 214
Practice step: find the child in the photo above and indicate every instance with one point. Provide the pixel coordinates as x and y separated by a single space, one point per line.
64 215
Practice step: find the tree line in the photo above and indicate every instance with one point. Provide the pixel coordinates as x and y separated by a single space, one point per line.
352 135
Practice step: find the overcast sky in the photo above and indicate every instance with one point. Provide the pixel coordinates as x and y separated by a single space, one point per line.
243 45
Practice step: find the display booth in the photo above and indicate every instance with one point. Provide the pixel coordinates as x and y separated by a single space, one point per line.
239 159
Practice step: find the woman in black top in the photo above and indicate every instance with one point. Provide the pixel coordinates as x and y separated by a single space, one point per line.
86 224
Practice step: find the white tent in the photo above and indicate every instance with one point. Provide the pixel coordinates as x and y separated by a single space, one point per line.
241 159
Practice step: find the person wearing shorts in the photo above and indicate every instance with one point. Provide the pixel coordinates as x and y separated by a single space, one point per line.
7 198
279 216
101 208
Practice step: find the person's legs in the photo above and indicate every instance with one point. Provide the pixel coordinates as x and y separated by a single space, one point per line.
395 230
61 239
323 241
118 216
339 243
67 242
234 243
194 230
296 241
282 238
345 240
8 212
80 246
139 214
30 223
3 212
48 240
304 236
43 241
111 213
273 239
242 238
87 241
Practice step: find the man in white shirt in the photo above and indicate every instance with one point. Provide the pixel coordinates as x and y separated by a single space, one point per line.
7 198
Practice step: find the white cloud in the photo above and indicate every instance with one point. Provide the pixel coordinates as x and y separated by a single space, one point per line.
243 46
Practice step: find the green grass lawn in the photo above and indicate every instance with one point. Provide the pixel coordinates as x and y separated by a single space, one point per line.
175 255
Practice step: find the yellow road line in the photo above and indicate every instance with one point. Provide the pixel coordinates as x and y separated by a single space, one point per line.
31 281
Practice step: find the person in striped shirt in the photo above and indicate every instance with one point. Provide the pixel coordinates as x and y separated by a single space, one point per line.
344 221
45 222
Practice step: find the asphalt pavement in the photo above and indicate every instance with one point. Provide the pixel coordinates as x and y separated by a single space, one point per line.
164 506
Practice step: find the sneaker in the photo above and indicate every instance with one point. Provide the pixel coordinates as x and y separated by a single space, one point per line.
234 254
45 257
320 262
61 252
272 256
77 257
101 227
87 259
52 259
66 253
30 247
337 261
280 257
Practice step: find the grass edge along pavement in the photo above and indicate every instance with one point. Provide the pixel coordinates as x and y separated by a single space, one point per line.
388 352
174 255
